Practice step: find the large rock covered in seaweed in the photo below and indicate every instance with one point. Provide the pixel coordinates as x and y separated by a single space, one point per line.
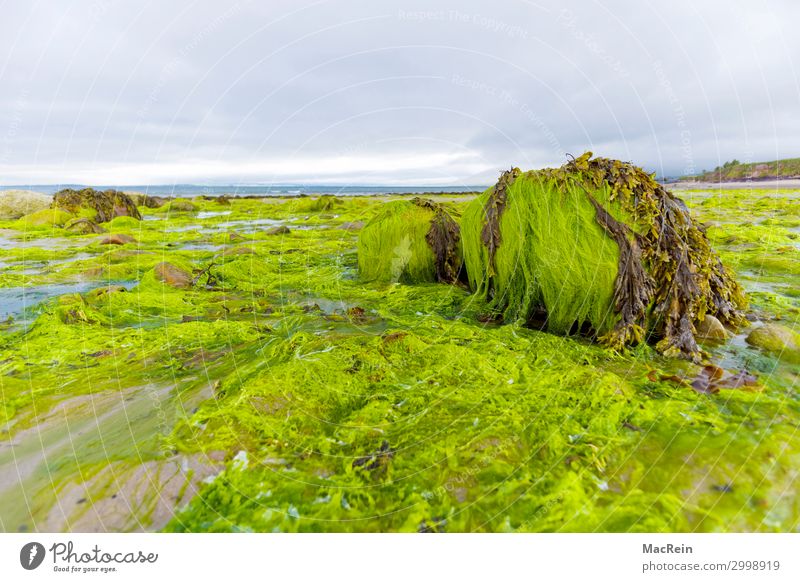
104 205
17 203
597 245
410 241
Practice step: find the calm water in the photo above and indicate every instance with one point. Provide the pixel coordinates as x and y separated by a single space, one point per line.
192 190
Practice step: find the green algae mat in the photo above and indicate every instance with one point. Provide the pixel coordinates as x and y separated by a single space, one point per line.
221 366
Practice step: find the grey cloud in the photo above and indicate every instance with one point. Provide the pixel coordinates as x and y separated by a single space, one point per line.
202 91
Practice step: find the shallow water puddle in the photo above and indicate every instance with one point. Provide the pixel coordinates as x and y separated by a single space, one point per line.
208 214
19 302
115 431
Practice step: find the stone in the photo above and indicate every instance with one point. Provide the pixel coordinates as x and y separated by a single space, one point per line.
118 239
17 203
105 205
47 217
777 340
711 329
147 201
84 226
181 205
173 276
278 230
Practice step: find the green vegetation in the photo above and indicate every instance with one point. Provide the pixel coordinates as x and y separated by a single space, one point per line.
734 170
279 391
414 241
597 242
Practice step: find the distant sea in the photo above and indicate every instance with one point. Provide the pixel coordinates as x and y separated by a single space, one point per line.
192 190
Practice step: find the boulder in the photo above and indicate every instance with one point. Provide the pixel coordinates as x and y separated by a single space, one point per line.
52 217
410 241
711 329
147 201
777 340
278 230
173 276
103 206
17 203
84 226
597 246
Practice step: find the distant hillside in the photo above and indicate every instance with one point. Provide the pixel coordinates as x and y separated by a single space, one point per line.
735 171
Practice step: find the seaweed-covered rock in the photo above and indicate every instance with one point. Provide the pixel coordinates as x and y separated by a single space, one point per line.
778 340
172 275
145 200
710 328
118 239
180 205
84 226
105 205
17 203
411 241
49 217
597 245
123 222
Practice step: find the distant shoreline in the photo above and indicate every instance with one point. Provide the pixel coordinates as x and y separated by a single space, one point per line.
772 183
278 191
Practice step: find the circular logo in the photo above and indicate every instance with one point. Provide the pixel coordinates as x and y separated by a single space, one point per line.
31 555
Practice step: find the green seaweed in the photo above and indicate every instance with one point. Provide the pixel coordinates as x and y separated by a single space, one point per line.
597 243
413 241
290 395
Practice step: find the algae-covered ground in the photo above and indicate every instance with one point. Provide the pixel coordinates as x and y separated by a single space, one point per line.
279 392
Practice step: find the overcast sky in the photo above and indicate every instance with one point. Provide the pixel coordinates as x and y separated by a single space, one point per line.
384 92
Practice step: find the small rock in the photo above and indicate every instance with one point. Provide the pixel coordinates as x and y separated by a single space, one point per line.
235 237
173 276
278 230
711 329
777 340
118 239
